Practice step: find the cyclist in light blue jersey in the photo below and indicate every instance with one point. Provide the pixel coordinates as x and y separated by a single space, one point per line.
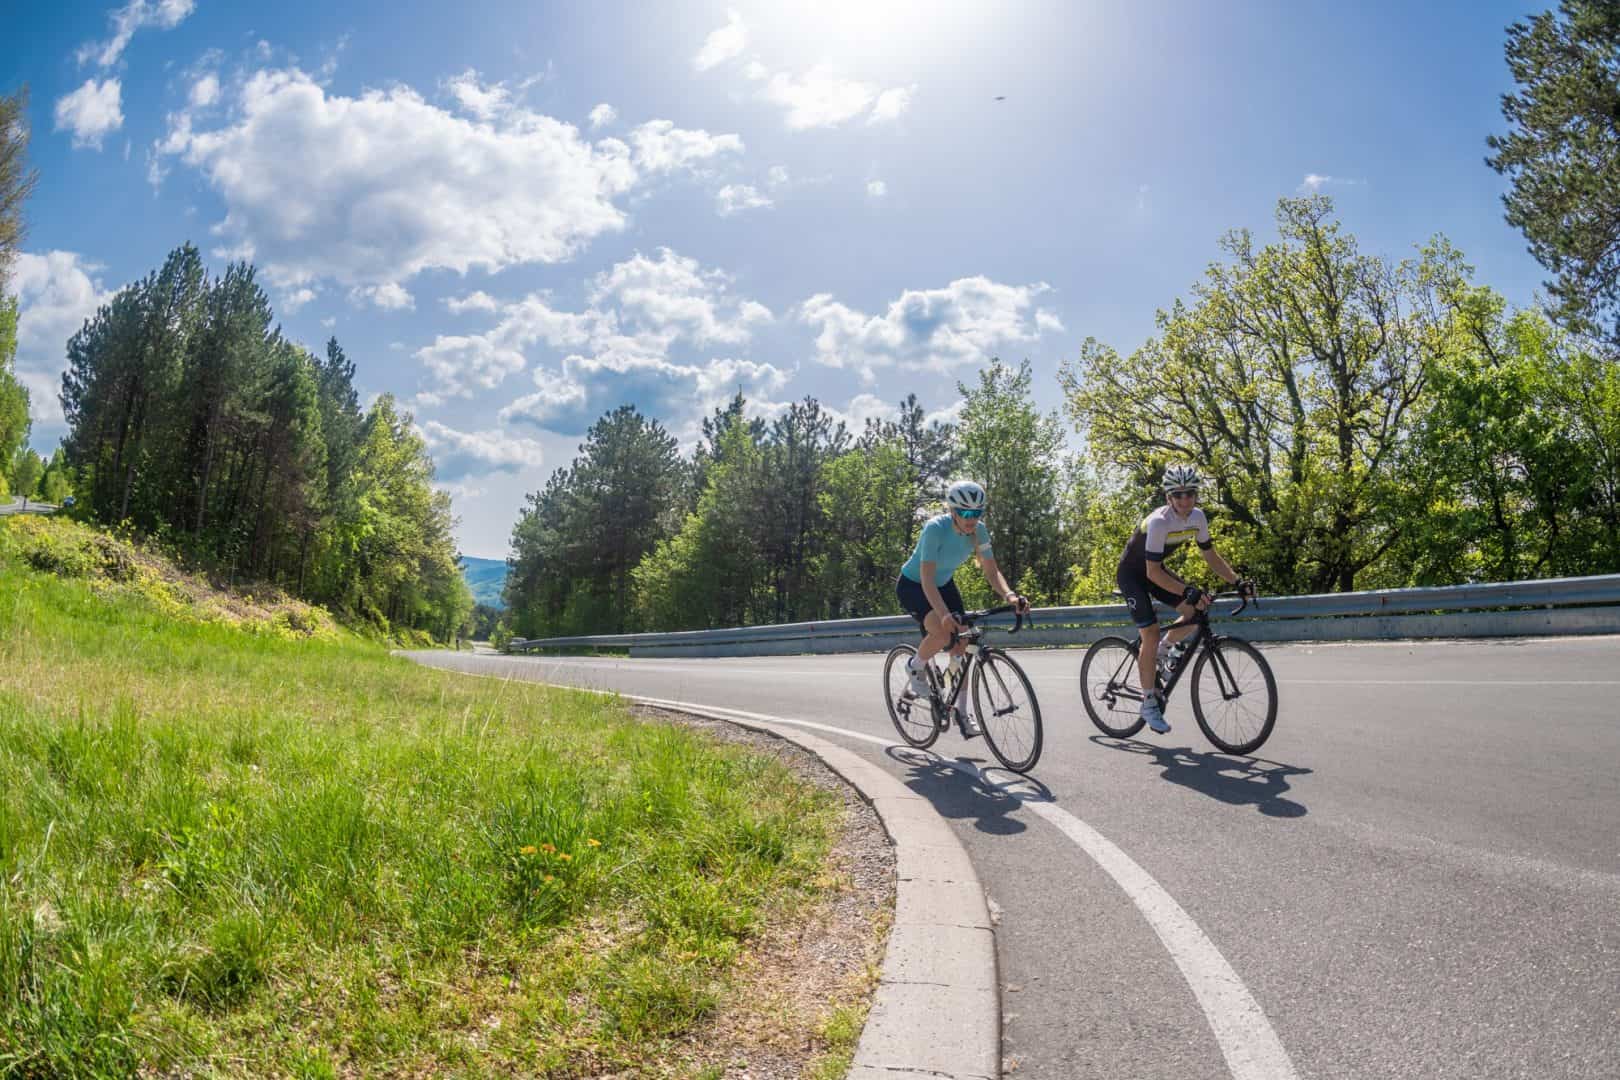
925 588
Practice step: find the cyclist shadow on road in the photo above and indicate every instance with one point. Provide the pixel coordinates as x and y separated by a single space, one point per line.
1230 779
956 791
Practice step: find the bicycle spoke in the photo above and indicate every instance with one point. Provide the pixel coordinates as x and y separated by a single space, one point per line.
1005 703
1235 697
1108 687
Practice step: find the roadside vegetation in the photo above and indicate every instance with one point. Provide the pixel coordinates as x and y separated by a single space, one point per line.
232 843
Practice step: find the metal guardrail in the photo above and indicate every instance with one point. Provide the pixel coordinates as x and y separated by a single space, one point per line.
1577 605
16 505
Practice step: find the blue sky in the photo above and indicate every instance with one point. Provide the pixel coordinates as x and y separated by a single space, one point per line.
516 216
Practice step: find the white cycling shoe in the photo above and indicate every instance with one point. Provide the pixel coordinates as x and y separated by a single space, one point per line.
919 681
1153 713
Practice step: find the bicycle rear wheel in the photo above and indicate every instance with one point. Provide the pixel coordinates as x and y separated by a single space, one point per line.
913 716
1234 696
1008 713
1108 686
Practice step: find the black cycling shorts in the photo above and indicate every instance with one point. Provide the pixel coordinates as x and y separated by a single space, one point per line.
1139 595
915 601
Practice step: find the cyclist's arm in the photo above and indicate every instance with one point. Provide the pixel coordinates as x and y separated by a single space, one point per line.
1162 577
1221 567
992 574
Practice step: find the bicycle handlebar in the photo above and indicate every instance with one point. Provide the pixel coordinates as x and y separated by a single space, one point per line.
1019 619
1247 594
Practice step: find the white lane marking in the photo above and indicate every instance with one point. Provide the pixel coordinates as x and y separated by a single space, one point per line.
1483 684
1247 1041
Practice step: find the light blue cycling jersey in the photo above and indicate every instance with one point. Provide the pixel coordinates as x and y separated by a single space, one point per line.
946 548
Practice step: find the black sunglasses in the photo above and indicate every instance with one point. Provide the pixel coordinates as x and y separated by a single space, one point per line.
1182 493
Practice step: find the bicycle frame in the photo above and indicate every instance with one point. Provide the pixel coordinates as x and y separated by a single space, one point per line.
958 679
1203 638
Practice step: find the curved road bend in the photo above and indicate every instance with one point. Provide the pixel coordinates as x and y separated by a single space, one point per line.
1419 878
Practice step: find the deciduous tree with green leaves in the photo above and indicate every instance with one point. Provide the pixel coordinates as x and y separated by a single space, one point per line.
1290 379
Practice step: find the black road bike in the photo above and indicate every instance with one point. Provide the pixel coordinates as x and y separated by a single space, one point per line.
1003 699
1234 696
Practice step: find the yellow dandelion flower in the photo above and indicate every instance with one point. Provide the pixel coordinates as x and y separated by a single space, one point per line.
549 849
548 877
594 843
527 849
564 856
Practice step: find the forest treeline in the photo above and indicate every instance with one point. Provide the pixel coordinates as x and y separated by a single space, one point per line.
1362 422
195 421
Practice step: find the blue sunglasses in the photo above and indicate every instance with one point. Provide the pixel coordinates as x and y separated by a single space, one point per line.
970 514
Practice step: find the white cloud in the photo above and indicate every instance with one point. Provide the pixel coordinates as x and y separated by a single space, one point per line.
1315 182
474 301
877 188
864 407
91 112
371 190
205 91
673 295
736 197
723 44
618 349
56 293
292 302
823 98
603 115
663 147
458 453
675 394
164 14
891 104
967 322
778 175
390 296
484 102
463 490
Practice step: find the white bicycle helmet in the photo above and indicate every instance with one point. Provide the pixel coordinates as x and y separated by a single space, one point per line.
1177 477
965 495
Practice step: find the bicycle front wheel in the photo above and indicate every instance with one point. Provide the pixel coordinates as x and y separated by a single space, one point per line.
1108 686
913 716
1009 715
1234 696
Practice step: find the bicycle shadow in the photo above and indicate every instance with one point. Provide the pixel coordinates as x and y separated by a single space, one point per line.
965 788
1240 781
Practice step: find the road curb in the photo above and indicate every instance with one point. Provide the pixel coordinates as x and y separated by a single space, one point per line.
937 1008
936 1012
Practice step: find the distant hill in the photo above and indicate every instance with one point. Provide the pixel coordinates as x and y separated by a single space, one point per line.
486 578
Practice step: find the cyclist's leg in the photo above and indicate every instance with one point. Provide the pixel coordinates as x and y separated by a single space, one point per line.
952 596
1182 608
915 602
1140 603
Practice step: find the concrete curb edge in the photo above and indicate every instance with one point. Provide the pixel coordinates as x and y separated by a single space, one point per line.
936 1011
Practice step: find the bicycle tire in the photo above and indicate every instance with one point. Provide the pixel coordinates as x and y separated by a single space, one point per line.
1257 679
920 732
998 666
1101 673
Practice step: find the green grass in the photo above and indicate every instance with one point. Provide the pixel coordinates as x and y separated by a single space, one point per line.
238 853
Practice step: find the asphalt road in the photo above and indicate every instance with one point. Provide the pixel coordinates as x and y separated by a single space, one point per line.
1419 878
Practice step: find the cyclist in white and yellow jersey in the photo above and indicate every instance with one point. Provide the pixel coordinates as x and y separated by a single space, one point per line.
1143 578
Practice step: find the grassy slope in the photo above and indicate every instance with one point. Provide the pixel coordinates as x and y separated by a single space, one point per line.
256 854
